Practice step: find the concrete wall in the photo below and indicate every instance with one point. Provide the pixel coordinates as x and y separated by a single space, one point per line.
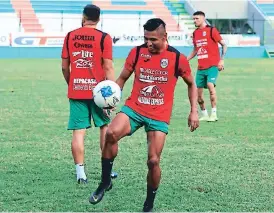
119 52
228 9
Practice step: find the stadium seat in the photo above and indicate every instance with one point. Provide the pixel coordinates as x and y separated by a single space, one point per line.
35 15
266 6
265 2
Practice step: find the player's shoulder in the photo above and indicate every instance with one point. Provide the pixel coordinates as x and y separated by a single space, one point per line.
196 30
75 30
137 49
142 46
83 30
172 49
177 52
102 33
212 28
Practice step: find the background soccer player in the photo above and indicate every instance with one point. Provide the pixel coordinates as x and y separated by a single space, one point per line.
157 67
86 60
206 40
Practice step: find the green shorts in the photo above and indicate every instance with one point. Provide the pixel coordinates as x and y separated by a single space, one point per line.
137 121
206 76
81 112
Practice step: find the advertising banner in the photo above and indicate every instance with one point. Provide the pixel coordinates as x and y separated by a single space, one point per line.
37 39
124 39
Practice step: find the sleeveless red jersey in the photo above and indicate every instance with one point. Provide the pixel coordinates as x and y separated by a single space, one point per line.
85 47
205 42
155 80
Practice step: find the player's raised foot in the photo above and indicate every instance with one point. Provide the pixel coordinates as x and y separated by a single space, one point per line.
148 207
99 193
204 118
213 118
82 181
114 175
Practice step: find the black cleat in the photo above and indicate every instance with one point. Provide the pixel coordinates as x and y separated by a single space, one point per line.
82 181
148 207
113 175
98 195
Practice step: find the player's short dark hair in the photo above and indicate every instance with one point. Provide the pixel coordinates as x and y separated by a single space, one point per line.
199 13
153 24
92 12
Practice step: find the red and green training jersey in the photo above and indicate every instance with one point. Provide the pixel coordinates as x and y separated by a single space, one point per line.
85 48
155 80
205 41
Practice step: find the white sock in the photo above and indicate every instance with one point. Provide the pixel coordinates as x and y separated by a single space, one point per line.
213 110
204 112
80 171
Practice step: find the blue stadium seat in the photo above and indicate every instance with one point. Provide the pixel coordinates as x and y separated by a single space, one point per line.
6 7
267 9
76 7
6 10
123 2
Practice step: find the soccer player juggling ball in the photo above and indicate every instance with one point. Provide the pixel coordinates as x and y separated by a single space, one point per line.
156 67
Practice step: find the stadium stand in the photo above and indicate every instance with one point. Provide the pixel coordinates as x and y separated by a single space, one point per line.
64 15
118 16
267 7
179 13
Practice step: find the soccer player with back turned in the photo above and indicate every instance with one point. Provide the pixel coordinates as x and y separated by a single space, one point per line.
86 60
156 67
206 40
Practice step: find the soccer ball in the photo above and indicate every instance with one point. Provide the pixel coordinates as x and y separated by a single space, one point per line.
107 94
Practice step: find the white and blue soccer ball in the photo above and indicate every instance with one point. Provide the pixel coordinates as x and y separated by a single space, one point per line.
107 94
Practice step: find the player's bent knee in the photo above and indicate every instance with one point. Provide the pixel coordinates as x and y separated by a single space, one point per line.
153 162
111 136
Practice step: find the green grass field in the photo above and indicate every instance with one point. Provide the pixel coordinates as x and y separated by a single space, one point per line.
223 166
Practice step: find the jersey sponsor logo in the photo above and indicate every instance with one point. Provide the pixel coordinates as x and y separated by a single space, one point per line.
81 45
83 38
153 75
151 95
84 83
83 53
85 60
146 60
202 53
145 55
164 63
201 42
83 63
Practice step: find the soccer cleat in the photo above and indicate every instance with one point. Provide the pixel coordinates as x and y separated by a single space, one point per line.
114 175
213 118
99 193
82 181
148 207
204 118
